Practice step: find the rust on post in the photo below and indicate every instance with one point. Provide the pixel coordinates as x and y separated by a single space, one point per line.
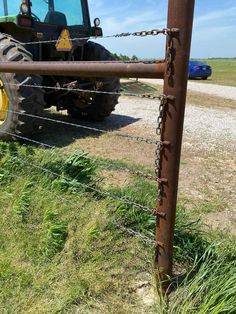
180 15
88 69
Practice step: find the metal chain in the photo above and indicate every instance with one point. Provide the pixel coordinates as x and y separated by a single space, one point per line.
169 55
164 102
159 145
153 32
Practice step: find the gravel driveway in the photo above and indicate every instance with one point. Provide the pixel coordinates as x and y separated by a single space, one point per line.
209 127
227 92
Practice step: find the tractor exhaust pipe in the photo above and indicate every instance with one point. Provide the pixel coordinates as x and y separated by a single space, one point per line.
51 6
5 5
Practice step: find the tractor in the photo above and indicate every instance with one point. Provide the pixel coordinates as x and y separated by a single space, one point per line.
50 30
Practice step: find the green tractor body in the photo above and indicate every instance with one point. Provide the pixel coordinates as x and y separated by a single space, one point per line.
50 30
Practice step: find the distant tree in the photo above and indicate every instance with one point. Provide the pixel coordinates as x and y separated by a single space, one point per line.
122 57
115 56
134 58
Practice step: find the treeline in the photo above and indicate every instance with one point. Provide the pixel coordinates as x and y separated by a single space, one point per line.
221 58
121 57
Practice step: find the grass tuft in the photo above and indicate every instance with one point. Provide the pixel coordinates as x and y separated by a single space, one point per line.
56 233
23 202
209 288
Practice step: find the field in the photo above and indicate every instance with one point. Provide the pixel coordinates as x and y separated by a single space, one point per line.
63 251
224 71
67 217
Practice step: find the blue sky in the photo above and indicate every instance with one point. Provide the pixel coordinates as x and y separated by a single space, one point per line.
214 33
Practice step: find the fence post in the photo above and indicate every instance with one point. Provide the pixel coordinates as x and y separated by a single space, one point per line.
180 16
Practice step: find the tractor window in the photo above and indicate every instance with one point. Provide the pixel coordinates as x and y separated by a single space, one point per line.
39 10
72 11
8 8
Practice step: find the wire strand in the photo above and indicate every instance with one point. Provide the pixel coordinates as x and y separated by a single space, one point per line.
153 32
129 231
80 126
147 95
91 188
94 159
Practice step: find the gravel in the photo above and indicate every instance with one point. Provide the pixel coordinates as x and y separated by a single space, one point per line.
208 127
226 92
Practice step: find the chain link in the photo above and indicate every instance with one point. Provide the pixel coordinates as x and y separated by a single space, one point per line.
163 103
169 55
161 114
159 145
153 32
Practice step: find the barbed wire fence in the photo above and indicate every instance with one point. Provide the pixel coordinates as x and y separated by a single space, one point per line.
120 134
169 125
106 164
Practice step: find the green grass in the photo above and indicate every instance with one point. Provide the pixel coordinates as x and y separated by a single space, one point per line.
137 87
61 253
224 71
209 289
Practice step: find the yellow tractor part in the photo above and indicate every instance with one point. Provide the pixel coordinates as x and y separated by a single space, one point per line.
4 103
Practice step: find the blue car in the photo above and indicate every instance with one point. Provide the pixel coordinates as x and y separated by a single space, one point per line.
198 69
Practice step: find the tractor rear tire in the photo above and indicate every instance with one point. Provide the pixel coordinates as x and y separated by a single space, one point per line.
100 105
19 99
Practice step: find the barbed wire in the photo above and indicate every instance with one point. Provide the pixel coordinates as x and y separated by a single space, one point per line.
122 228
144 33
131 171
91 188
80 126
107 194
147 95
134 233
96 160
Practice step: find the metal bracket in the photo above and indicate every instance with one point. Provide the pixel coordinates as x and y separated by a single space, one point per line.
159 214
170 97
162 180
159 244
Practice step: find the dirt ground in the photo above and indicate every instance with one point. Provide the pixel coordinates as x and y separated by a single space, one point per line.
207 175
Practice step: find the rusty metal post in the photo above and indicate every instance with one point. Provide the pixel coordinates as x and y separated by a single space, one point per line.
180 15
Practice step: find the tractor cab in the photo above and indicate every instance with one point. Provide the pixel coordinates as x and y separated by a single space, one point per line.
50 12
45 19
